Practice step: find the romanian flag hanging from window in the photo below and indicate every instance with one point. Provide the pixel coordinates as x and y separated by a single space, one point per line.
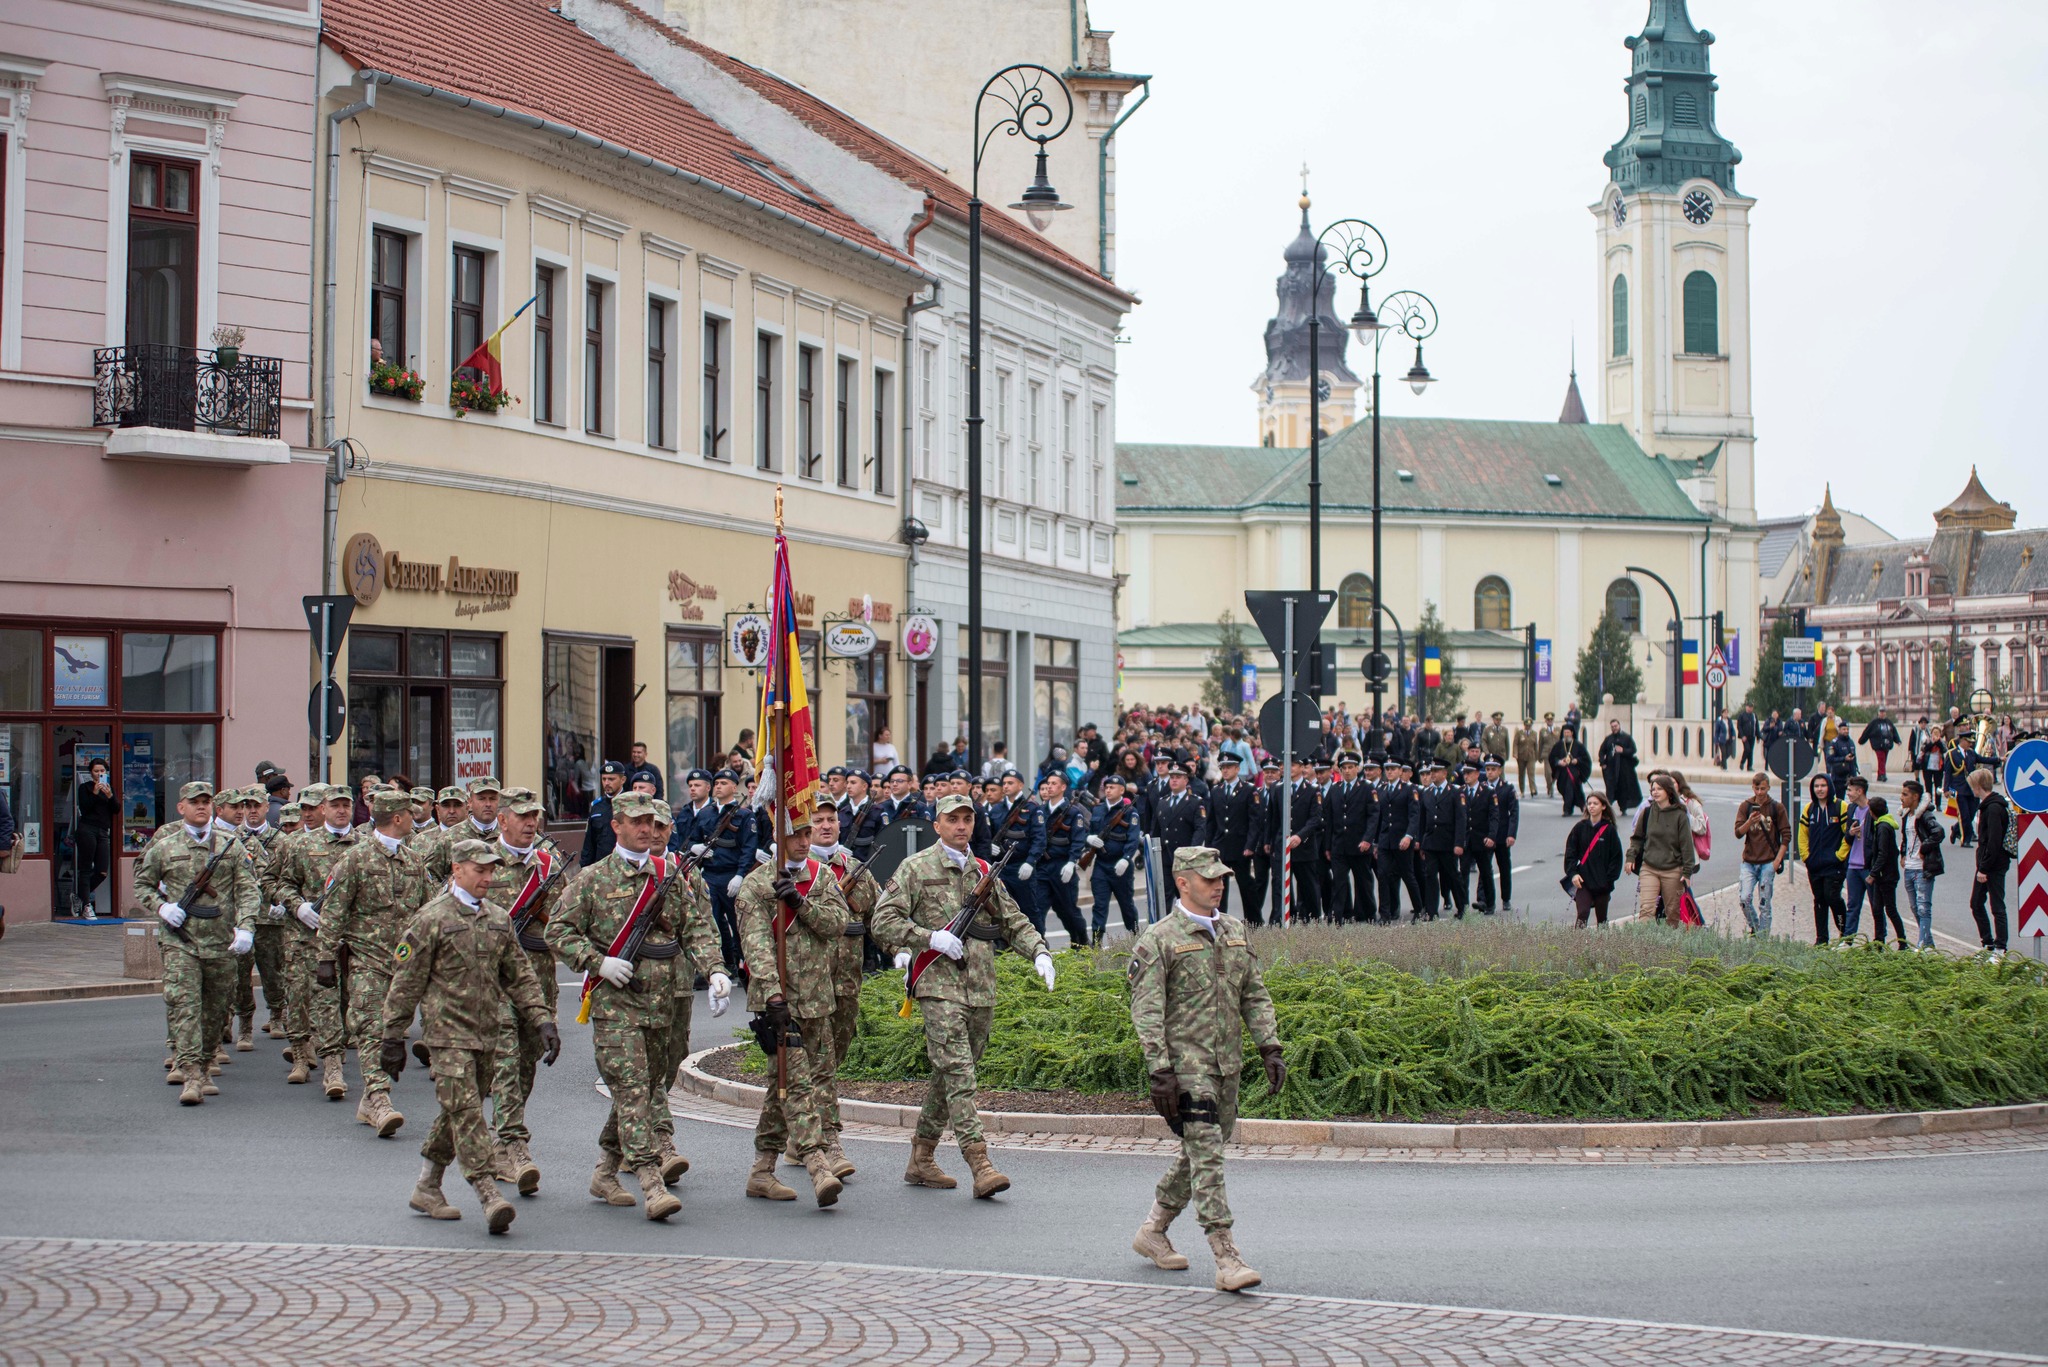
1689 661
792 751
488 360
1432 667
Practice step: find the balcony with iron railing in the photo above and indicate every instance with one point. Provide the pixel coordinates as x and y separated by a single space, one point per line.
186 404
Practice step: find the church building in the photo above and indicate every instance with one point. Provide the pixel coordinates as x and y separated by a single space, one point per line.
1501 525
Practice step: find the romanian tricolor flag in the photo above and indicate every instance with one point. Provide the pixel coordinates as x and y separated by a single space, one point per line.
1432 667
1820 654
787 748
1689 661
488 360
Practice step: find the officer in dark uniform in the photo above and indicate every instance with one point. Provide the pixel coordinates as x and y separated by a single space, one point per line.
1440 826
1154 792
597 837
1304 838
1478 825
1114 842
1017 823
694 805
1393 840
860 817
1181 819
982 843
1262 857
903 799
1499 842
1348 811
728 857
1324 854
1233 803
1058 875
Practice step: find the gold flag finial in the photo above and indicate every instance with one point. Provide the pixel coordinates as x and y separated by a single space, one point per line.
778 507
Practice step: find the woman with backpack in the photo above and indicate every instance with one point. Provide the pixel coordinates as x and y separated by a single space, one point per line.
1661 852
1823 846
1592 861
1920 856
1881 848
1994 825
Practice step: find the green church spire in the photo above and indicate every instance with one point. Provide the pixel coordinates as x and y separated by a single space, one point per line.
1671 136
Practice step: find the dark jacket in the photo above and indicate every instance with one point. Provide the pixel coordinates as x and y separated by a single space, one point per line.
598 838
1879 734
1181 819
1348 807
1927 830
1065 833
96 812
1393 814
1823 834
1602 867
1507 813
1116 826
1232 812
1881 849
1439 822
1305 818
1024 829
1992 816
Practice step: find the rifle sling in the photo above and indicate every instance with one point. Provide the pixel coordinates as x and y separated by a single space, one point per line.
982 928
662 949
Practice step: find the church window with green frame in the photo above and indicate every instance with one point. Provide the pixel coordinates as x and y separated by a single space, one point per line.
1702 315
1621 315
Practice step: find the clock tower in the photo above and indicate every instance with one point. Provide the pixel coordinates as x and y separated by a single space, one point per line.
1305 286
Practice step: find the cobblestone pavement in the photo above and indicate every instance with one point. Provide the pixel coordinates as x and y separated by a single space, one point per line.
76 1300
2032 1138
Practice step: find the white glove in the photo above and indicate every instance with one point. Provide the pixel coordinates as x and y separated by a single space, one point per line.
617 972
948 944
308 917
732 889
902 958
172 913
1043 965
721 993
700 849
277 911
762 856
1094 842
1067 872
1123 866
1024 871
245 940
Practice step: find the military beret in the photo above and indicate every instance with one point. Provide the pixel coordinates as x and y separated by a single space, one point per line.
1118 779
727 775
631 804
836 771
1200 861
451 794
195 790
425 795
486 784
521 801
662 815
902 769
861 774
611 766
955 802
697 776
389 801
960 774
472 852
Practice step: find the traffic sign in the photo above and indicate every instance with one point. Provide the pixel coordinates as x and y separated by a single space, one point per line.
1717 673
337 713
1271 609
2026 776
1295 716
338 608
1790 757
1378 668
1716 658
1799 674
2033 873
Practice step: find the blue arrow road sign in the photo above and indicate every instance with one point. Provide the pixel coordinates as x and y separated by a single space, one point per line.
2026 776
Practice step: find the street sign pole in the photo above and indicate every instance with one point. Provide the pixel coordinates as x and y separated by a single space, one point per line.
326 687
1282 897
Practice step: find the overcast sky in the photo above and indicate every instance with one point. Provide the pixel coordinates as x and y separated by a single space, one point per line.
1896 152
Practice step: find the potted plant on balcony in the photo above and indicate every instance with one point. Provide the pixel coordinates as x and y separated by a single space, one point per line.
227 345
394 381
473 393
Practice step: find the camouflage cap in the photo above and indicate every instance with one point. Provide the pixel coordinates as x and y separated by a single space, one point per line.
290 809
425 795
472 852
955 802
631 804
520 801
662 815
486 784
1199 860
335 792
389 802
451 794
195 790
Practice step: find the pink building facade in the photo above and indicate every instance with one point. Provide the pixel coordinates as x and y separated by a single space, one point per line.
160 493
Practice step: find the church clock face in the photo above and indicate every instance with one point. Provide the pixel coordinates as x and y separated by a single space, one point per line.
1699 207
1620 212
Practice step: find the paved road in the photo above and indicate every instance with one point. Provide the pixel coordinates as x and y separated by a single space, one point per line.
1936 1250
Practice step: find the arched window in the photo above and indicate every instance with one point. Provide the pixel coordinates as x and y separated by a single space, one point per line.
1702 315
1625 601
1354 601
1621 315
1491 607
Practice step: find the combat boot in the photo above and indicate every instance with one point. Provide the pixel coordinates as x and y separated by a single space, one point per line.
924 1170
842 1166
1231 1273
656 1200
331 1078
498 1212
604 1183
987 1181
207 1088
213 1069
1152 1242
191 1095
273 1027
525 1171
302 1064
382 1116
824 1185
501 1163
245 1038
220 1053
762 1180
791 1156
426 1195
673 1164
176 1077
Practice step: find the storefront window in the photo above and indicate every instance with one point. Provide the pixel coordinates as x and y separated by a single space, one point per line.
156 760
21 671
995 686
572 685
1055 688
21 770
867 705
693 703
405 717
162 672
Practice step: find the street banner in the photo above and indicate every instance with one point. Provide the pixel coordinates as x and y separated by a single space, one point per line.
1432 667
1689 661
1731 651
1542 660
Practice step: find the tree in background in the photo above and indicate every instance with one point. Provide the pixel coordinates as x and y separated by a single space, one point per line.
1767 682
1448 699
1223 682
1607 664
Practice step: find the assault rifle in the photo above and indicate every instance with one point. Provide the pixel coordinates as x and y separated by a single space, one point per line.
1088 858
526 910
977 902
197 888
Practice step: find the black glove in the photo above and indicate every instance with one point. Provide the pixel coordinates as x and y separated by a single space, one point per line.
323 973
1276 1067
1166 1094
551 1043
422 1053
777 1013
392 1055
786 893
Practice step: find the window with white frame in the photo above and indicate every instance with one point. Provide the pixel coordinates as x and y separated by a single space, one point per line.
767 401
1098 451
547 355
1034 408
597 356
810 455
927 407
846 423
466 275
661 385
390 296
999 478
715 402
881 458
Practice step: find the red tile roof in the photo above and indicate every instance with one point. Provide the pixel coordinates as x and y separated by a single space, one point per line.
879 151
518 54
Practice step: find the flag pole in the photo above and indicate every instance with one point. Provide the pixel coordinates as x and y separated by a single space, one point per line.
780 723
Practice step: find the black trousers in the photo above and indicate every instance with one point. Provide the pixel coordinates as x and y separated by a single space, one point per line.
1308 892
1504 872
1351 887
1748 751
1826 886
95 856
1062 899
1966 813
1481 861
1442 880
1989 896
1249 886
1884 903
1396 869
727 920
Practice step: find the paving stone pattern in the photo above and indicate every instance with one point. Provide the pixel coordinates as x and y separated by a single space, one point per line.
87 1300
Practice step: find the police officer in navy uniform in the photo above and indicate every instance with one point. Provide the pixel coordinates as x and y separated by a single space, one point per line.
1393 840
728 857
1478 858
1114 837
1349 805
1057 876
1439 827
598 838
1018 823
903 799
1304 837
690 812
1499 841
1232 804
860 817
1181 818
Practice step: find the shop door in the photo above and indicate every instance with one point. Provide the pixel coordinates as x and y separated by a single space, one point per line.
81 869
426 738
619 694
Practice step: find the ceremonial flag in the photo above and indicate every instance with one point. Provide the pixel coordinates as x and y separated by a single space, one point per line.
488 360
1432 667
1689 661
792 752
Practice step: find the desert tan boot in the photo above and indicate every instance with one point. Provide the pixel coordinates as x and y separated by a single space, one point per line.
498 1212
924 1170
656 1200
842 1166
427 1198
525 1171
762 1181
384 1117
331 1078
1231 1273
191 1095
245 1038
604 1183
987 1181
673 1164
302 1063
824 1185
1152 1241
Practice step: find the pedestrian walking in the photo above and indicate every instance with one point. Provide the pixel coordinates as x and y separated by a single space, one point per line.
1746 731
1661 852
1766 833
1196 989
1881 871
1920 856
1822 834
298 881
1592 861
1987 894
1618 768
1571 766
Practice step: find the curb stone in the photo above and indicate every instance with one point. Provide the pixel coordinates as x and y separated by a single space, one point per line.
131 987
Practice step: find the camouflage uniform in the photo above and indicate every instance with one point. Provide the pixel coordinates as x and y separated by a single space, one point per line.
519 1046
299 874
862 892
375 893
958 999
810 944
456 965
690 912
1192 996
199 974
629 1026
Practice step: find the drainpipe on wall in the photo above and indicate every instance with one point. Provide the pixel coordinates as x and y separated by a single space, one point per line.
912 306
1102 180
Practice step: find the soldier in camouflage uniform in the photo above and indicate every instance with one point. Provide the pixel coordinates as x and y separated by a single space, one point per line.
298 878
481 820
957 992
793 990
204 938
1195 989
456 963
244 809
431 840
690 908
378 887
527 881
861 891
631 1002
271 936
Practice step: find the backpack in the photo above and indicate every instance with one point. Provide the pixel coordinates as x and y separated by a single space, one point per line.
2012 828
1703 841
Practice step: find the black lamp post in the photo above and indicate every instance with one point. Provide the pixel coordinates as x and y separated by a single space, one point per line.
1022 110
1361 252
